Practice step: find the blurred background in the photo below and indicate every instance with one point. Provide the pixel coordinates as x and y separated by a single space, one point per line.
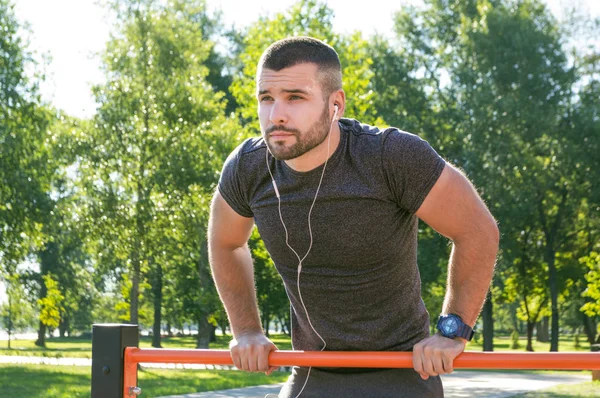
116 117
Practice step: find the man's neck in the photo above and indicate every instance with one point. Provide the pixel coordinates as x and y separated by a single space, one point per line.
316 156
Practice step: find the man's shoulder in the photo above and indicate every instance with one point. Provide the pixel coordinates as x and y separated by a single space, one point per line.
250 147
376 135
248 152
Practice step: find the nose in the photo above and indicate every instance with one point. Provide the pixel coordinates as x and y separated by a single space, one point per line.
278 113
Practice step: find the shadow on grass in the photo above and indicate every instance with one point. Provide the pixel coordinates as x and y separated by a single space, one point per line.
44 381
73 381
161 382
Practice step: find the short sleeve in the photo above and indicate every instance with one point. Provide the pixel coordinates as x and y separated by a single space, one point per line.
231 185
411 167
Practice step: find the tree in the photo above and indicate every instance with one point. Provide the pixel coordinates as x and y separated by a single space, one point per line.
592 307
25 166
23 155
51 304
508 91
158 128
17 313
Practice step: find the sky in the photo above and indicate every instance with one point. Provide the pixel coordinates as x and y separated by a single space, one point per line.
73 32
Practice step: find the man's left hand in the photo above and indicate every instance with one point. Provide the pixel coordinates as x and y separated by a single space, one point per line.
435 355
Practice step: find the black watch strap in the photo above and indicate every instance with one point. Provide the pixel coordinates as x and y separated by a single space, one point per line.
466 332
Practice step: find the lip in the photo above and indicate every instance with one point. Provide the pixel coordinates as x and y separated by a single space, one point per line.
281 134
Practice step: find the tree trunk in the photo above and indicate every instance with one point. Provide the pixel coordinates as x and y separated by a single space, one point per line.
213 333
223 325
10 320
63 327
138 252
589 328
530 326
266 319
551 234
554 301
41 340
286 325
135 290
488 323
542 333
203 337
157 293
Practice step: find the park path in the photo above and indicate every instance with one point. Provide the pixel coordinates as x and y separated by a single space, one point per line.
88 362
461 384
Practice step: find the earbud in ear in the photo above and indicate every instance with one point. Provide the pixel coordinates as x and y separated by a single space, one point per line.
335 111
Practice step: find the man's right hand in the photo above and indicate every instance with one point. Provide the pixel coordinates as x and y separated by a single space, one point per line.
250 352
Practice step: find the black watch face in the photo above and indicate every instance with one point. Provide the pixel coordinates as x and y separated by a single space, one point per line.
449 326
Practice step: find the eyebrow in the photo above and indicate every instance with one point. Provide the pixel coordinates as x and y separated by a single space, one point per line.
291 91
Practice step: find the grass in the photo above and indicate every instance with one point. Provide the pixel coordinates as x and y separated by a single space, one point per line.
55 347
588 389
73 347
74 381
503 343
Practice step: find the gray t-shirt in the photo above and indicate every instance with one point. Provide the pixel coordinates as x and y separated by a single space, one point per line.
360 282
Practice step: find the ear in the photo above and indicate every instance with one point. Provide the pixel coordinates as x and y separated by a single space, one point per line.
339 99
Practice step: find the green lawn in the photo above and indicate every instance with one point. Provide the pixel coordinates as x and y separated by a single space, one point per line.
503 343
74 381
82 348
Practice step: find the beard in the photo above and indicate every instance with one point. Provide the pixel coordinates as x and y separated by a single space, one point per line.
313 137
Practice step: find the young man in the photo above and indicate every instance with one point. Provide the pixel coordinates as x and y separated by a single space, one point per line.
337 204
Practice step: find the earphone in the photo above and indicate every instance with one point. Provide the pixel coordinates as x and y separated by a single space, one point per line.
301 259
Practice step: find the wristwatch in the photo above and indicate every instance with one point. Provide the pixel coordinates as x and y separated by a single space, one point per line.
452 326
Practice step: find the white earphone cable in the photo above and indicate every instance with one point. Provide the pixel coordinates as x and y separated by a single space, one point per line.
300 260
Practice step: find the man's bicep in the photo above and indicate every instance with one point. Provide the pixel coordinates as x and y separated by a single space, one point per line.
226 228
454 209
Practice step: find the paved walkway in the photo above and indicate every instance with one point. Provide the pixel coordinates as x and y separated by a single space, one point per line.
88 362
456 385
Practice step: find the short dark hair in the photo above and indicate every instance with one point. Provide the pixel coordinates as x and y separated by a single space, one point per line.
292 51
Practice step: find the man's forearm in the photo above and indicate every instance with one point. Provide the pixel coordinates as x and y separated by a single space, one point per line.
470 272
233 273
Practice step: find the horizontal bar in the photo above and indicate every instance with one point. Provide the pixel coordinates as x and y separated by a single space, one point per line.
373 359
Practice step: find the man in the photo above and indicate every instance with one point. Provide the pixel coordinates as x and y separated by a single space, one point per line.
337 204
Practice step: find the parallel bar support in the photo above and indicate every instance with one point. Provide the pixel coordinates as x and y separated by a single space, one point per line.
108 346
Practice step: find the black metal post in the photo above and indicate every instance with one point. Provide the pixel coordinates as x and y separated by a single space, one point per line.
108 345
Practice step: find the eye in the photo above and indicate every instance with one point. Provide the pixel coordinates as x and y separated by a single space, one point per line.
295 97
265 98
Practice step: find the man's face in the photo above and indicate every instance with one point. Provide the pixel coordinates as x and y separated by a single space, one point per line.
294 117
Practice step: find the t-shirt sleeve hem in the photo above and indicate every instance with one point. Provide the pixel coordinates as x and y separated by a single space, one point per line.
427 188
232 204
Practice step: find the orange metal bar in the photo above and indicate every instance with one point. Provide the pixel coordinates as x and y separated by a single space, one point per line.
130 371
362 359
